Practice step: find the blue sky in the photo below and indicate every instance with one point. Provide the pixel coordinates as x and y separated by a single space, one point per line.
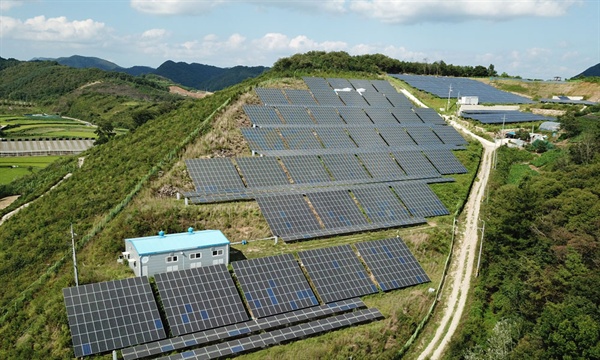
530 38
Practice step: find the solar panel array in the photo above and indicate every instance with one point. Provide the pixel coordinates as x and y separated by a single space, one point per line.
440 86
381 205
199 299
499 117
240 329
420 200
273 285
259 341
392 264
336 273
355 137
112 315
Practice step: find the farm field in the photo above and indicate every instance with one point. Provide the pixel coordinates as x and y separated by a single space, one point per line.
16 167
46 126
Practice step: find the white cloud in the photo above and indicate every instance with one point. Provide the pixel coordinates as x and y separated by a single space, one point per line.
6 5
175 7
201 7
411 11
154 34
58 29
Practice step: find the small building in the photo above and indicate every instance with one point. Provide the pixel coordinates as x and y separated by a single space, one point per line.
171 252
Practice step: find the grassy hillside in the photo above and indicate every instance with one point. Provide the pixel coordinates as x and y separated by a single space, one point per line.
122 191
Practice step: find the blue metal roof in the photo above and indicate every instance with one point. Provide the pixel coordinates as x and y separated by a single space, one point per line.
177 242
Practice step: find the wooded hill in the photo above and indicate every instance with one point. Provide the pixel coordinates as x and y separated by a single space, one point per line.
125 188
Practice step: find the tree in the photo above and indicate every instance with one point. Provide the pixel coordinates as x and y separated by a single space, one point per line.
105 132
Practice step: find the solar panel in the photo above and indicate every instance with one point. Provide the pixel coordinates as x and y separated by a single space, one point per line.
445 162
420 200
263 139
381 165
354 116
406 116
262 115
376 99
381 116
326 115
429 116
200 298
440 86
366 137
383 86
423 136
336 273
262 171
259 341
294 115
344 167
316 83
415 163
240 329
271 96
398 100
214 175
300 97
362 84
327 97
288 215
273 285
449 135
499 117
336 209
111 315
335 138
381 204
392 264
352 98
305 169
339 83
300 138
397 136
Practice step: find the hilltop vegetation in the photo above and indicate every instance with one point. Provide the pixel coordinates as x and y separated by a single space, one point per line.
540 267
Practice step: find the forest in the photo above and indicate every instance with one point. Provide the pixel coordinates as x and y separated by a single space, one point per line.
537 295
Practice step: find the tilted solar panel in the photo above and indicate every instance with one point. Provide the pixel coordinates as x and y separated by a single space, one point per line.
288 214
335 138
336 209
354 116
326 115
262 171
344 167
336 273
381 204
300 138
445 161
397 136
366 137
262 115
419 199
214 175
391 263
273 285
263 139
305 169
199 299
415 163
271 96
300 97
295 115
381 165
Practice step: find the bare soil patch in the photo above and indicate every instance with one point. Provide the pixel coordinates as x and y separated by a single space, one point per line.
183 92
5 202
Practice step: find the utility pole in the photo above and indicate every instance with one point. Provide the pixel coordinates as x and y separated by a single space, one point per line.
74 257
448 104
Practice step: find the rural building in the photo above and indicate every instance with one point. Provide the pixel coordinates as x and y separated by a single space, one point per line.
171 252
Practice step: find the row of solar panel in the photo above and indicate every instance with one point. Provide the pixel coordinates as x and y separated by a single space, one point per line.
440 86
280 139
330 97
362 85
331 116
117 314
499 117
246 328
275 337
314 214
220 175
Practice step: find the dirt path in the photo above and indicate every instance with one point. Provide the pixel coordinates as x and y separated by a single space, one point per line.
455 292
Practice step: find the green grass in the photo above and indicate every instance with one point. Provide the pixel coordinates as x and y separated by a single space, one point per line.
12 168
50 127
518 172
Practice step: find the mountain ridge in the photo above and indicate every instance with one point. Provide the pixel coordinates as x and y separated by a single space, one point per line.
194 75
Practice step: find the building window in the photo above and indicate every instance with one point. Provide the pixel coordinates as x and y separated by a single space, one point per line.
218 252
172 259
195 256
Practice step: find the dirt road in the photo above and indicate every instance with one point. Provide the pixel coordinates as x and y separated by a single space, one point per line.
454 294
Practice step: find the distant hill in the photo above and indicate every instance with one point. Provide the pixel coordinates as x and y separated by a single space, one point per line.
197 76
592 71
